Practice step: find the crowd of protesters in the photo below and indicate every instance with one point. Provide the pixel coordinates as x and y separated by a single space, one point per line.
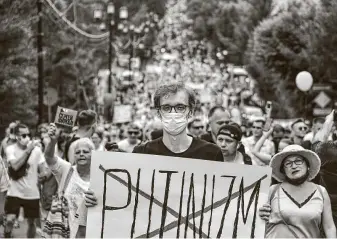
302 200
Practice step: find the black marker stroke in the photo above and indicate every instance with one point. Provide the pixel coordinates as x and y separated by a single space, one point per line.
151 204
203 206
230 190
164 210
210 217
181 203
136 205
155 201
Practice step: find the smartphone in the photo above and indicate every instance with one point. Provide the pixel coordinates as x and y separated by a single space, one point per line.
268 124
269 106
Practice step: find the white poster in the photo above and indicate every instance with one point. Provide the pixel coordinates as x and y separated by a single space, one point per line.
143 195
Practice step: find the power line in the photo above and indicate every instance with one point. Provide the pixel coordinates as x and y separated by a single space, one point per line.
73 26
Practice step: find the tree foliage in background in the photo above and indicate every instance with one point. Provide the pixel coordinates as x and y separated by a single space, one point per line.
17 60
282 46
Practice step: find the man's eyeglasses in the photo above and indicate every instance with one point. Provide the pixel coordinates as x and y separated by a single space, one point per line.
177 108
198 127
133 132
297 162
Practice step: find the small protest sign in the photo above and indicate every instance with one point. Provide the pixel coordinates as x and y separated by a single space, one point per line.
144 196
65 118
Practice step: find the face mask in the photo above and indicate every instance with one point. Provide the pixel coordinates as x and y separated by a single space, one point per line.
174 123
24 141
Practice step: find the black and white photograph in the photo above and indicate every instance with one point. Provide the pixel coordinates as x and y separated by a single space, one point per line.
168 118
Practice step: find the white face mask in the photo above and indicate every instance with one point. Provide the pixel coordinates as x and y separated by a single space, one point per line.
174 123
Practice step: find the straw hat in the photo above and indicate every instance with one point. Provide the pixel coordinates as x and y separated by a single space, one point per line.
312 158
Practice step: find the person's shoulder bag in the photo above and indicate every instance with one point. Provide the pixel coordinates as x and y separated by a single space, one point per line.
57 222
21 172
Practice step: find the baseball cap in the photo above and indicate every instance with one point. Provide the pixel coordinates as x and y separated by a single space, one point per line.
232 130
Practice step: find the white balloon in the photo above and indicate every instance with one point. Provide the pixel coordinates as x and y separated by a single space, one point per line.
304 81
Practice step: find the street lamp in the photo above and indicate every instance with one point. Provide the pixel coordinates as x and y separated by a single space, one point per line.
113 25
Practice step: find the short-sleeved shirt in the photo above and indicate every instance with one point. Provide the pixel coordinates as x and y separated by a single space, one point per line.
27 186
199 149
74 193
4 178
267 148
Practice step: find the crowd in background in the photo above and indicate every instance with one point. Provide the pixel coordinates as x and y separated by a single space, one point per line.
212 131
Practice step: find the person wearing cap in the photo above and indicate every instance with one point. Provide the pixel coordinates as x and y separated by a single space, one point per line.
229 140
297 208
128 144
298 130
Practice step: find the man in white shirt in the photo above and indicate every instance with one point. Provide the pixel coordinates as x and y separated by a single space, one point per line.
249 143
128 144
23 192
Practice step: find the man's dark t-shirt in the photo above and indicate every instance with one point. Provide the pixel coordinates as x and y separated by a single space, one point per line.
199 149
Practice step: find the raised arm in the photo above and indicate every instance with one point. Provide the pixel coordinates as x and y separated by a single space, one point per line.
323 134
265 158
49 153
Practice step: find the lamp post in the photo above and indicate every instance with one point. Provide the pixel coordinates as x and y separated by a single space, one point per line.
40 61
114 21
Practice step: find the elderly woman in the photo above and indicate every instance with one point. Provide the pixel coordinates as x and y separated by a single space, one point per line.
79 181
297 207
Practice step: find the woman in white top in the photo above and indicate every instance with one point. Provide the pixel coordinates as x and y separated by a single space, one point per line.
79 181
297 208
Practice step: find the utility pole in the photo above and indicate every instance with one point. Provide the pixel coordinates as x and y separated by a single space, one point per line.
111 28
40 60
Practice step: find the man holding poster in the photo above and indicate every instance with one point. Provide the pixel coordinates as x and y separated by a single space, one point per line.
175 104
236 192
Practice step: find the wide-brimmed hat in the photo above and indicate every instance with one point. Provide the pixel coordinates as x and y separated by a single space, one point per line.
312 158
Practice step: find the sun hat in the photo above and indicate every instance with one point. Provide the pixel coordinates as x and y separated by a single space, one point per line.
312 158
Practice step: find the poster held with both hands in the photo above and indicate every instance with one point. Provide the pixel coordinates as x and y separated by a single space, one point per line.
148 196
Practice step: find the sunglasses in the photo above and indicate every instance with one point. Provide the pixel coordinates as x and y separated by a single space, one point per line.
133 133
25 135
303 128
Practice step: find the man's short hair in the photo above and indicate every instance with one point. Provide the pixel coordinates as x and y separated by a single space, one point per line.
215 108
300 120
173 88
189 125
18 127
86 118
319 120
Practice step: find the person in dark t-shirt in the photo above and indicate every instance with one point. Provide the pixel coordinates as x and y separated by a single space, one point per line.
175 104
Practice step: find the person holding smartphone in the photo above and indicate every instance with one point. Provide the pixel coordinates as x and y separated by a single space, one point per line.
267 149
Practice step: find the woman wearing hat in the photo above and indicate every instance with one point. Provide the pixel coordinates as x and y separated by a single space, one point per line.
297 207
